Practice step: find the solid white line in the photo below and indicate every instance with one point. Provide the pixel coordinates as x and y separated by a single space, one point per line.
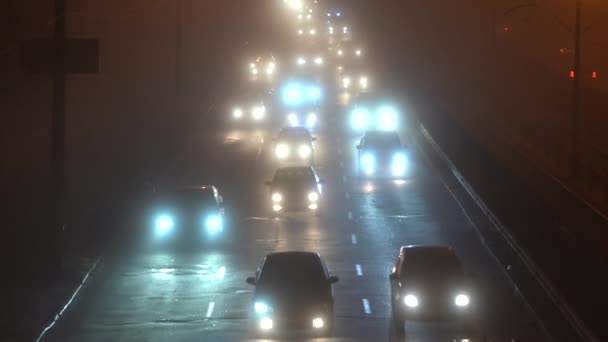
350 215
353 238
359 270
366 307
210 309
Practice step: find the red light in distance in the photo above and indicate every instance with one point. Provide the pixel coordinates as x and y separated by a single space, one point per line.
571 73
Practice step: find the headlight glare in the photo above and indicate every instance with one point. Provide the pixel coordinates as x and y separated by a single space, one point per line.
213 223
410 300
461 300
304 151
387 119
399 164
360 119
163 224
277 197
237 113
368 163
281 151
313 196
266 323
318 323
311 120
260 308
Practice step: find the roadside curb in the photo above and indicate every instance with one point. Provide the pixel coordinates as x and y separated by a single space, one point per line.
567 313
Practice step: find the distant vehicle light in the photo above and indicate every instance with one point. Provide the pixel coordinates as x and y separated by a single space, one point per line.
358 52
312 32
360 119
260 308
410 300
313 196
254 71
387 118
237 113
266 323
277 207
282 151
304 151
292 94
300 32
399 164
363 82
163 224
258 112
340 52
331 30
311 120
346 82
368 163
345 30
318 323
313 206
292 118
314 93
252 65
301 61
318 61
277 197
461 300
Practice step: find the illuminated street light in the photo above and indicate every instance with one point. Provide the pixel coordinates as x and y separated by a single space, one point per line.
294 4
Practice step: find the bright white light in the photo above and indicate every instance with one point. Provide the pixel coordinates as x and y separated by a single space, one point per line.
237 113
281 151
340 52
399 164
346 82
358 52
277 207
213 223
260 308
387 119
266 323
299 16
338 14
304 151
345 29
363 82
312 32
163 224
277 197
368 163
294 4
331 30
308 16
271 65
269 71
301 61
313 206
461 300
410 300
369 187
258 112
313 196
318 61
293 119
252 65
311 120
318 323
254 71
360 119
300 32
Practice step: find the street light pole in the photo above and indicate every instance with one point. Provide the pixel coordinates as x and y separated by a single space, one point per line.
575 143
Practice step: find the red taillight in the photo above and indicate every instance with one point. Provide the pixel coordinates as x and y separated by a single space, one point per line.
505 28
571 73
562 50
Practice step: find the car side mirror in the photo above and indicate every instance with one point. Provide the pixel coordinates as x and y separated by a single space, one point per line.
250 280
333 279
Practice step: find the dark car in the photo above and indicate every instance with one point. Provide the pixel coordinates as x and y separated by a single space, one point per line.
248 109
382 155
429 283
188 212
294 144
293 292
295 188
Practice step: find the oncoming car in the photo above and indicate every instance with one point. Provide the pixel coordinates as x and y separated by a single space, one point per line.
428 283
372 112
382 155
293 292
295 188
294 144
194 212
249 110
307 116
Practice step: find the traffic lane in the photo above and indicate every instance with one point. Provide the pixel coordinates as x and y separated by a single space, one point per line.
139 292
422 212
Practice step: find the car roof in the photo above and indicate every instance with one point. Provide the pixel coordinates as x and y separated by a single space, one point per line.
434 250
294 256
295 168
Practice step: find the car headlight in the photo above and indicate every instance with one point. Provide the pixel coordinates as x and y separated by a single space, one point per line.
260 308
311 119
213 223
360 119
461 300
254 71
301 61
410 300
266 323
293 119
163 224
318 61
363 82
258 112
318 323
281 151
277 197
304 151
368 162
387 119
237 113
346 82
313 196
399 164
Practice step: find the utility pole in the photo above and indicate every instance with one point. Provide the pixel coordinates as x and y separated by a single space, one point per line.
57 198
575 143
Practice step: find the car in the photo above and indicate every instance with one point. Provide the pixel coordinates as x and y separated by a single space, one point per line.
428 283
293 292
250 109
295 188
262 68
372 111
191 212
382 155
306 116
294 144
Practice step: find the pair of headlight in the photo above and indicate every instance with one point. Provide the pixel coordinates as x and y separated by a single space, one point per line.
386 118
165 223
460 300
282 151
266 323
257 113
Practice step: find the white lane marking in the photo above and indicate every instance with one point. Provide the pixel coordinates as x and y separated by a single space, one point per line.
350 215
210 309
359 270
353 238
366 306
347 195
344 178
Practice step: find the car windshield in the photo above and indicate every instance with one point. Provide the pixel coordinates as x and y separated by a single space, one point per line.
295 135
430 265
382 140
189 198
292 272
294 176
